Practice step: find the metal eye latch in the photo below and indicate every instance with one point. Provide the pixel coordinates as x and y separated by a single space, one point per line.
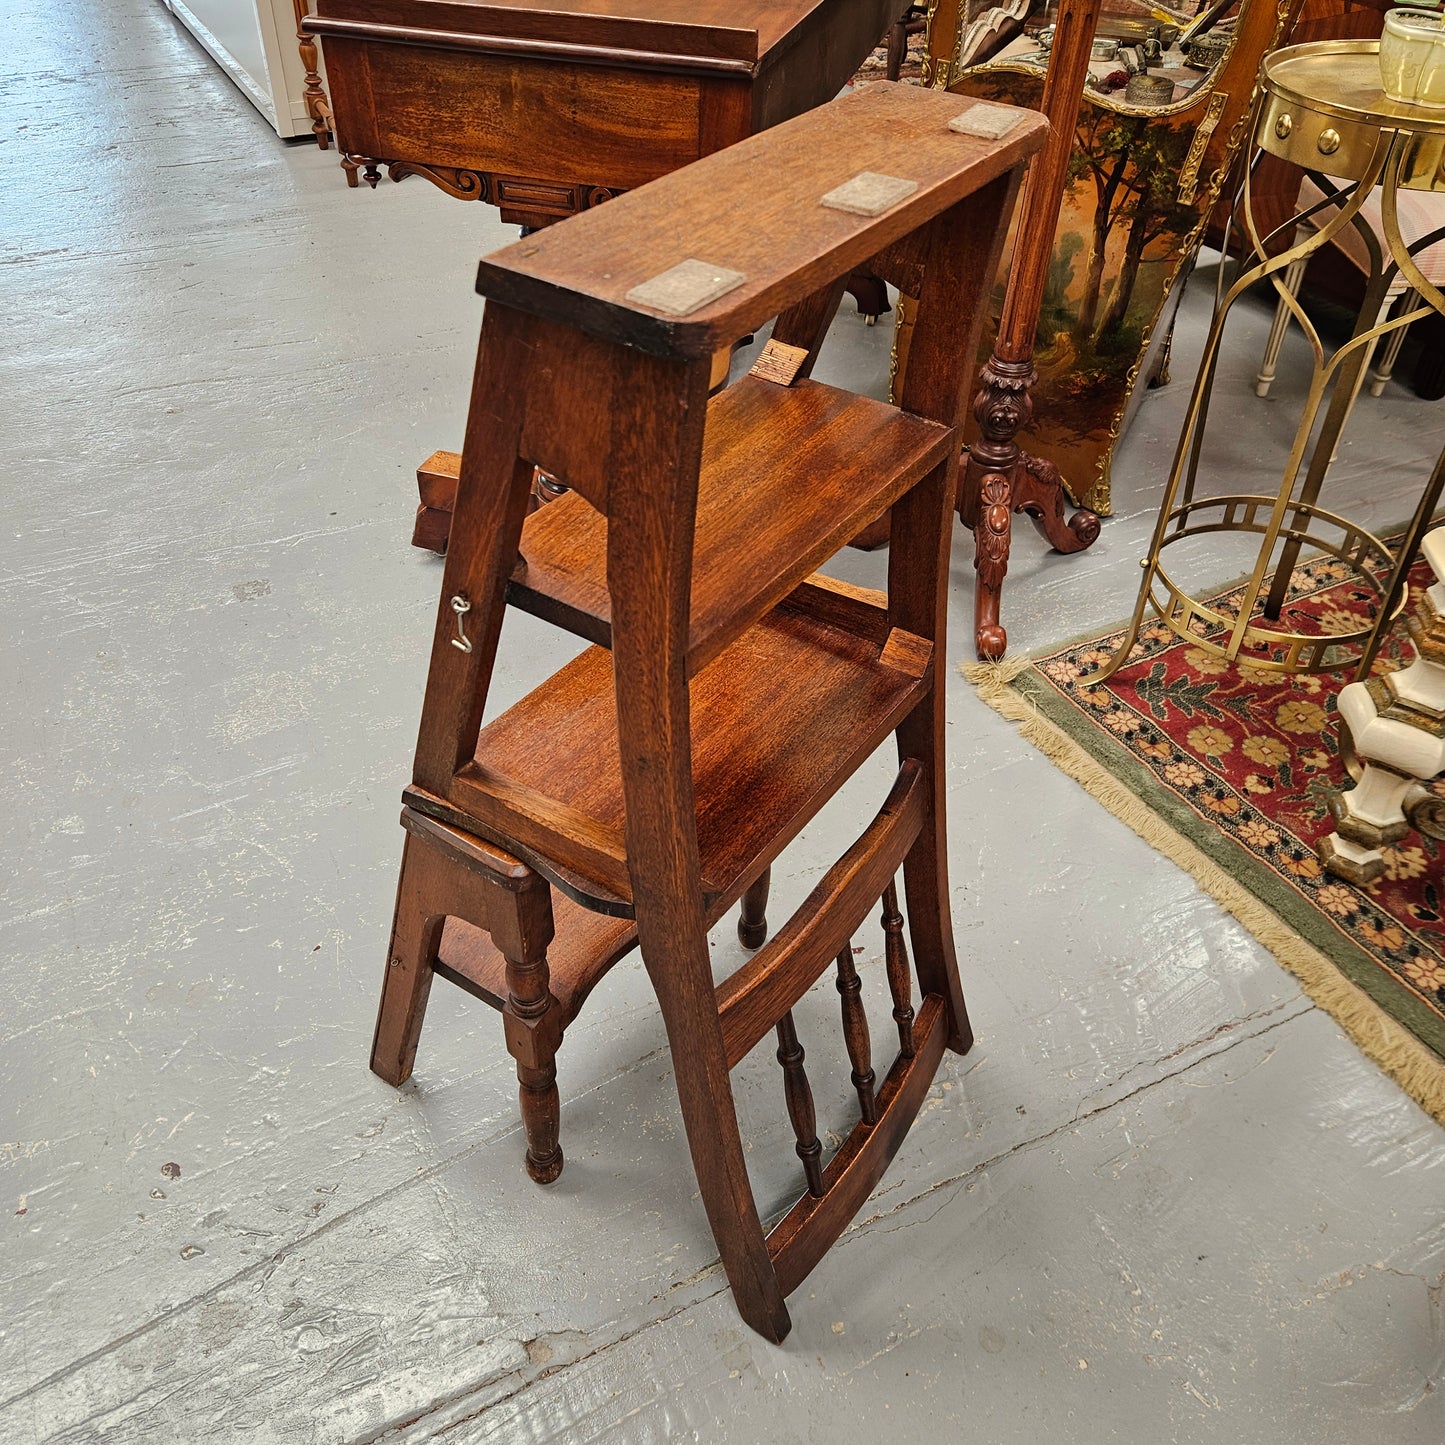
461 607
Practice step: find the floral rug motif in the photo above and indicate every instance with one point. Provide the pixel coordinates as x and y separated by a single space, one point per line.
1240 761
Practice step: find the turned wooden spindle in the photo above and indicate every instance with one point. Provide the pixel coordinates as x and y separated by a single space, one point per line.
800 1104
530 1018
753 920
855 1033
895 954
317 105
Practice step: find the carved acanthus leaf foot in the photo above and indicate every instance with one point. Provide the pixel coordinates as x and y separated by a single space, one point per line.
1039 491
991 536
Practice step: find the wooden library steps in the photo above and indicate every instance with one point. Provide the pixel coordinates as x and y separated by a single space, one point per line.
730 689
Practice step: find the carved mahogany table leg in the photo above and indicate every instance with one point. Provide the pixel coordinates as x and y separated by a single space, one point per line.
1001 479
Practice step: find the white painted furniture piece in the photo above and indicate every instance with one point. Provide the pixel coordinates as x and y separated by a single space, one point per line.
1397 726
254 42
1421 213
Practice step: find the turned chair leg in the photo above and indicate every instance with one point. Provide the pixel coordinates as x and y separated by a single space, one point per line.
753 920
1269 362
463 878
533 1021
1390 353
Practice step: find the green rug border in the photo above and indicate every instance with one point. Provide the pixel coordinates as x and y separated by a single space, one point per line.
1255 877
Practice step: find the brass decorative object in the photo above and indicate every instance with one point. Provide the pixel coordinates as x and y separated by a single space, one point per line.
1321 99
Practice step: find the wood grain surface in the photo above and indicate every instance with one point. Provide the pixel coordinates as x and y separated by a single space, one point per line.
790 246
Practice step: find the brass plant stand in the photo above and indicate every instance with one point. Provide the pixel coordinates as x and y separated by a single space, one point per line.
1320 105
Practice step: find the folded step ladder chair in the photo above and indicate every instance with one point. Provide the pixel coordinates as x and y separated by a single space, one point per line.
648 785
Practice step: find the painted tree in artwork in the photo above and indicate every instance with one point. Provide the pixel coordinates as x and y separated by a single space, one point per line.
1101 156
1153 209
1132 165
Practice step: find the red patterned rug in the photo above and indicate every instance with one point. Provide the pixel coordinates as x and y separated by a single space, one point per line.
1227 769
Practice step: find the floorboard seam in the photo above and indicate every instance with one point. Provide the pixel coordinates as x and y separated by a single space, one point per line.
527 1383
265 1266
1078 1118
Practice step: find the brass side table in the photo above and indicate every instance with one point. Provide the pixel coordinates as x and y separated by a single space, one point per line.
1319 105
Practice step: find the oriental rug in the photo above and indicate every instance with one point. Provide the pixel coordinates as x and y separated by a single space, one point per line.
1226 769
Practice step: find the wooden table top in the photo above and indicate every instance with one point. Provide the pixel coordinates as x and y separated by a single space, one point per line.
581 273
741 31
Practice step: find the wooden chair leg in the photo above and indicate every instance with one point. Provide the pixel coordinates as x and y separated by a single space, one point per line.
897 49
870 294
753 920
416 932
920 738
930 929
533 1022
504 899
688 1001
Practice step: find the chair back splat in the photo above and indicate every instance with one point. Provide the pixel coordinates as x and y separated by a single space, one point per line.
730 689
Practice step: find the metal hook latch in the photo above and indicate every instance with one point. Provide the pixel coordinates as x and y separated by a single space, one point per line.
461 607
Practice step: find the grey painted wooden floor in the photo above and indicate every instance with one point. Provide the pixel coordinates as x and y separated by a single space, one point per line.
1162 1200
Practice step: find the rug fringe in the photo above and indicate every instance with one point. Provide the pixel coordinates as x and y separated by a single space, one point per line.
990 677
1414 1066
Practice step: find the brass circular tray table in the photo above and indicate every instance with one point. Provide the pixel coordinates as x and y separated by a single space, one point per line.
1322 107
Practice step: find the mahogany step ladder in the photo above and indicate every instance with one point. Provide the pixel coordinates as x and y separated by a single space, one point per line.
730 690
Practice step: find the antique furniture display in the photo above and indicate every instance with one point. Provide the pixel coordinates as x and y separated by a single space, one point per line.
1138 187
730 690
1000 479
1275 186
1393 736
1322 104
547 111
255 43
